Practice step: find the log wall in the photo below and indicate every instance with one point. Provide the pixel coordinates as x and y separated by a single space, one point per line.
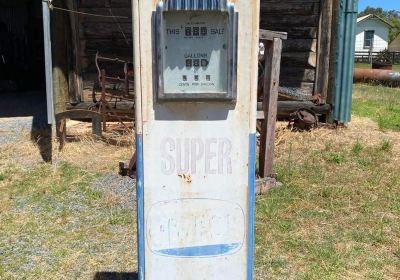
111 37
300 19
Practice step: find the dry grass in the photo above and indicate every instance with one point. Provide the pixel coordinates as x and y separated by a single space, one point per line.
97 155
336 217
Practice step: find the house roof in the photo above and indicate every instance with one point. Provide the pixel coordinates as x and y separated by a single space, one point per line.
372 16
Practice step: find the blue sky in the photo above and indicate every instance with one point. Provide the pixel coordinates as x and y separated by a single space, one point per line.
384 4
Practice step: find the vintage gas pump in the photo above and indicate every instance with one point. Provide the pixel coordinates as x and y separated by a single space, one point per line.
196 82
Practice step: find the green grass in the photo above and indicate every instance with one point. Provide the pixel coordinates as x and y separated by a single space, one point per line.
381 104
337 216
396 67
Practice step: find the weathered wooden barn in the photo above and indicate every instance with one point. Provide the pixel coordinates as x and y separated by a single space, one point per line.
305 58
79 29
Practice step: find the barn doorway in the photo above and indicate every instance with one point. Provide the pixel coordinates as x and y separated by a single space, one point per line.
22 76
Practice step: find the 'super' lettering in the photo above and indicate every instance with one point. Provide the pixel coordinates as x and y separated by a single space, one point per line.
196 156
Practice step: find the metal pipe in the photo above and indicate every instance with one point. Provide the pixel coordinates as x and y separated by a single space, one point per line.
48 61
363 75
344 65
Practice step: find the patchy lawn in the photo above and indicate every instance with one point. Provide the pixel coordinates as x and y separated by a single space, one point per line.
381 104
71 220
337 215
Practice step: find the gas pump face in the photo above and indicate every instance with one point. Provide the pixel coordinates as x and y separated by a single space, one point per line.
196 54
196 137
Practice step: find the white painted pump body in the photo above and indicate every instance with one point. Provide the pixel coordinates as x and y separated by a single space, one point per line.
196 158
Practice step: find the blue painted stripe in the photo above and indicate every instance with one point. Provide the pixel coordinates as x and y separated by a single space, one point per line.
201 251
252 191
140 206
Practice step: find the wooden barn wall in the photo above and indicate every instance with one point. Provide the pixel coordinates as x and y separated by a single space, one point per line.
111 37
300 19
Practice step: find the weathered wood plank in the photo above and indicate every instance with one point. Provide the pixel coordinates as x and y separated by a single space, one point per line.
297 32
289 21
306 59
333 53
59 30
271 35
121 106
300 19
285 8
271 84
285 108
104 3
297 74
108 47
75 83
105 30
300 45
324 46
118 12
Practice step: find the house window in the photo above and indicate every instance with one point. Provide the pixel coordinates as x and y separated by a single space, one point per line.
369 39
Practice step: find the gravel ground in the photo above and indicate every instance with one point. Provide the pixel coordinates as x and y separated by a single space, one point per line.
10 129
21 112
123 188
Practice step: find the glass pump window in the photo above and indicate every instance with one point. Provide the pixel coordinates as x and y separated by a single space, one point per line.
195 53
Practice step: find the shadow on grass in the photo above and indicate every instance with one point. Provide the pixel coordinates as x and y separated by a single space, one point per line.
115 276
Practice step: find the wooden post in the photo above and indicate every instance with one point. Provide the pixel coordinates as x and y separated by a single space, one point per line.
324 47
60 59
271 85
103 103
75 83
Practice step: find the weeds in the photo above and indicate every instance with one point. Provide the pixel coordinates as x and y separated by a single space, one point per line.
337 158
386 145
357 148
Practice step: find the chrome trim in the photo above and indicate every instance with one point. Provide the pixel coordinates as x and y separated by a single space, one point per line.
196 5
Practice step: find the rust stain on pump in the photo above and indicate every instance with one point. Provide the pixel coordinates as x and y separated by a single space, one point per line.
187 178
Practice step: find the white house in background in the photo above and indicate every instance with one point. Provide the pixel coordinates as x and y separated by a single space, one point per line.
372 34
